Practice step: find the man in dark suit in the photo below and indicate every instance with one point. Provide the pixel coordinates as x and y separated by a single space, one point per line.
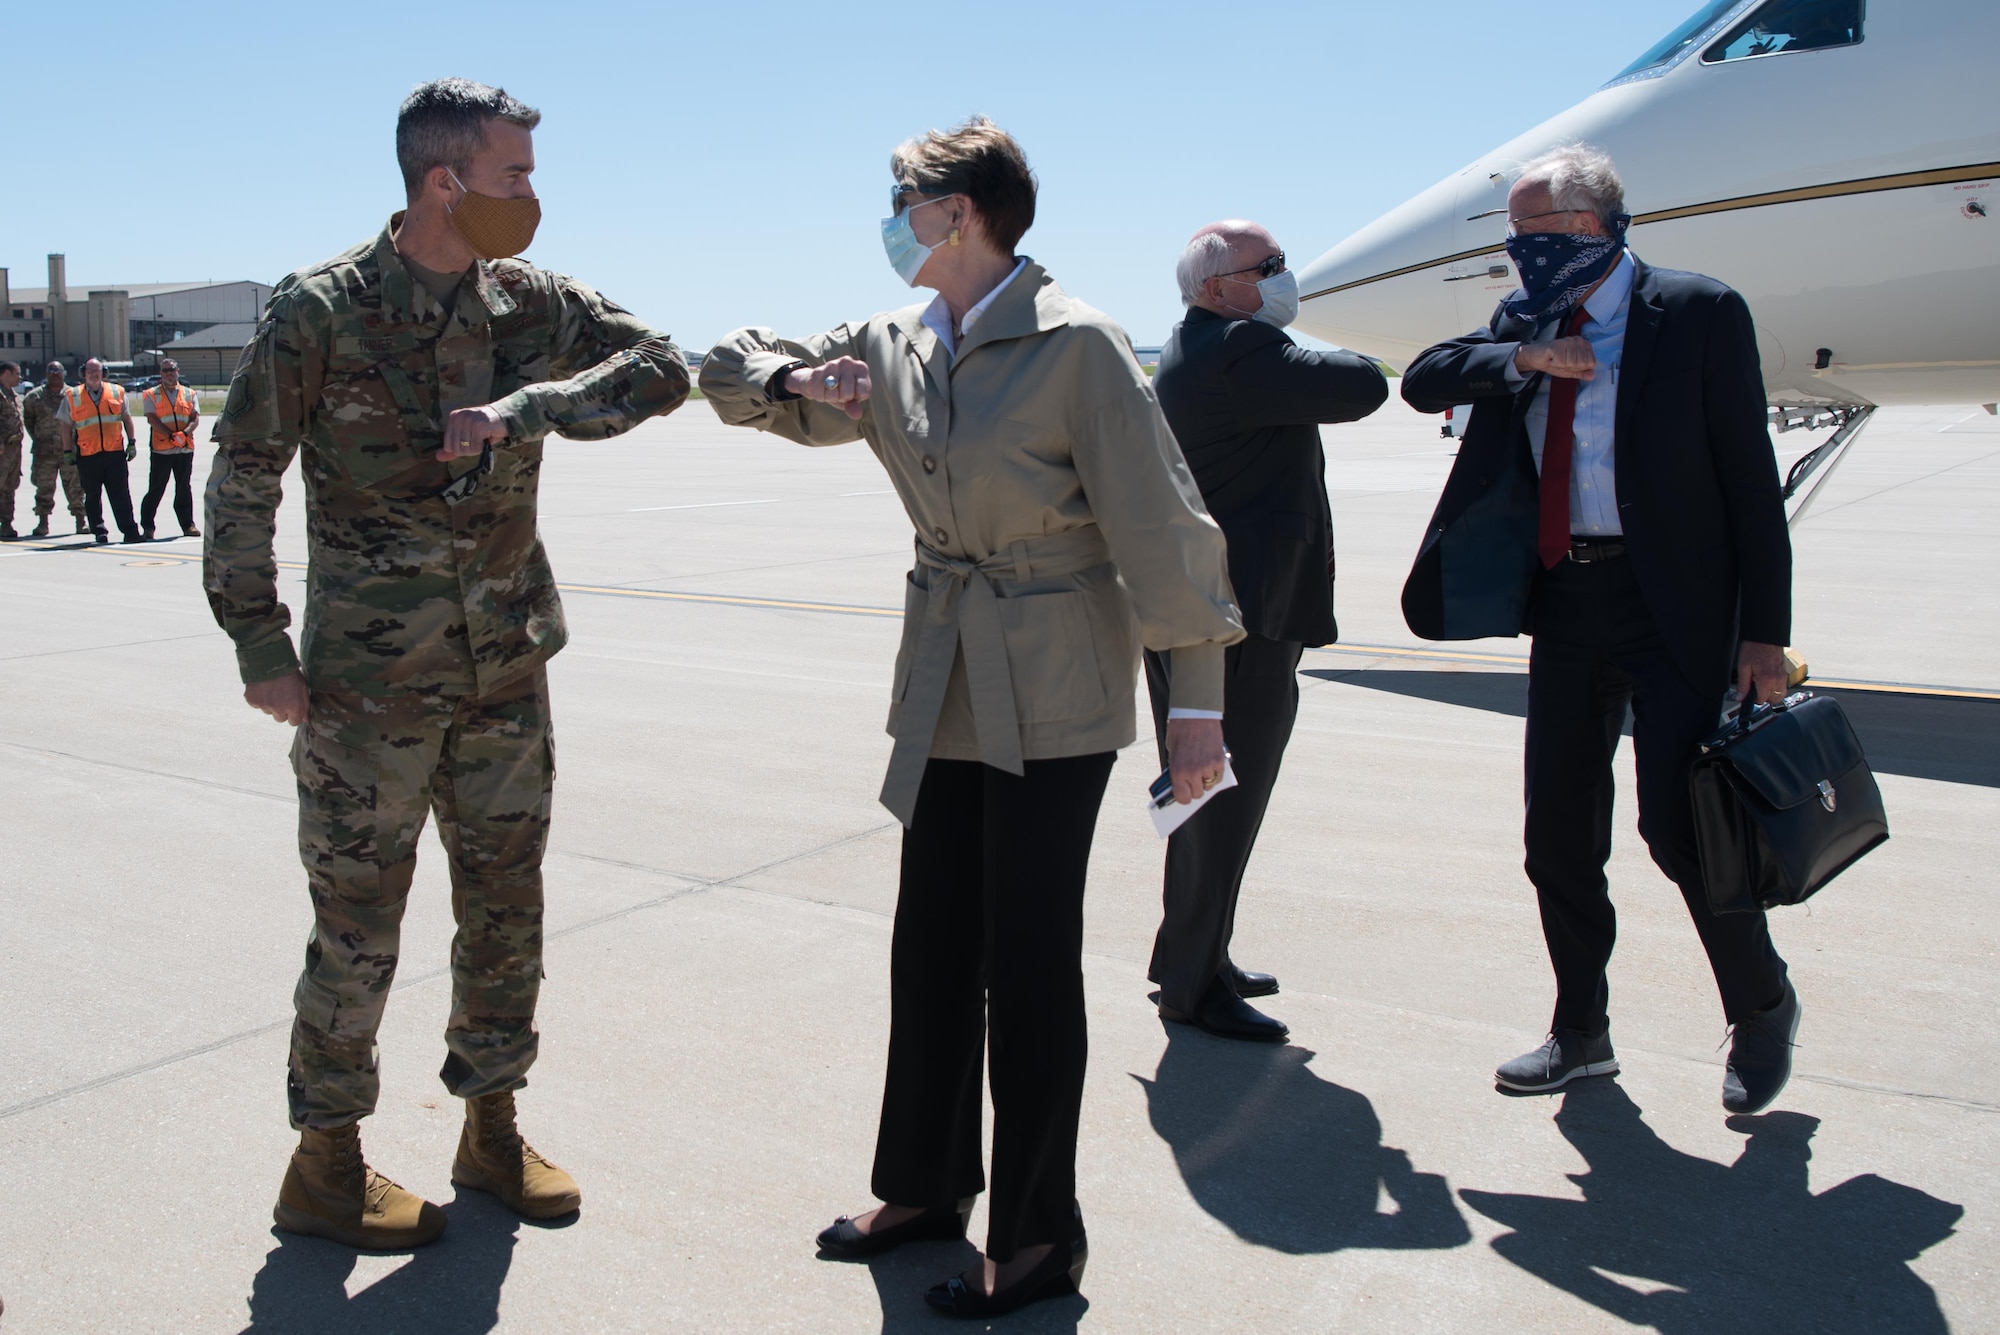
1617 497
1245 403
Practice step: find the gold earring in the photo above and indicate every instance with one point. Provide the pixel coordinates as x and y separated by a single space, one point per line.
953 238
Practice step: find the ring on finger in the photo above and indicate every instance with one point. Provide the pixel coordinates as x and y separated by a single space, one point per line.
833 382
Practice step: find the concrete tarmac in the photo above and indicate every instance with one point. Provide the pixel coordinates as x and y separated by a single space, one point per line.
720 898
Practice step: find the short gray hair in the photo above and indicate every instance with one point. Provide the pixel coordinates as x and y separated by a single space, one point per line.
1581 178
443 123
1206 257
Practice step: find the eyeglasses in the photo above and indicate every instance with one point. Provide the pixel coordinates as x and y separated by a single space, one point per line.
899 198
1514 224
1263 269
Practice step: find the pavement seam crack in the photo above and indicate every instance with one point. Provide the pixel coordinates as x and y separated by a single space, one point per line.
96 648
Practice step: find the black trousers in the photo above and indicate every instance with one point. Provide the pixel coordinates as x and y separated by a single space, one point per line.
1597 649
179 469
989 937
1206 857
106 474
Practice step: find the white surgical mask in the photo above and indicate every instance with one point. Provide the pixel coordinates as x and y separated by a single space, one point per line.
907 255
1281 299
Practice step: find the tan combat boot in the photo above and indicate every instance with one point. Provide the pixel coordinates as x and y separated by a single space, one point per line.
331 1193
492 1157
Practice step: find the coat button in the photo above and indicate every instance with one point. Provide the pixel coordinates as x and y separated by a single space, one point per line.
930 464
941 536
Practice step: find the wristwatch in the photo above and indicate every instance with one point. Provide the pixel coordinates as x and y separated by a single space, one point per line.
774 388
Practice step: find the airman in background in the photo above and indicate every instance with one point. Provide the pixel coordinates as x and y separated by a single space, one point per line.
417 376
44 409
10 448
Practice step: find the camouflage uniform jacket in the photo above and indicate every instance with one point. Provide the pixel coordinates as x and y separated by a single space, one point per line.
44 411
10 417
356 366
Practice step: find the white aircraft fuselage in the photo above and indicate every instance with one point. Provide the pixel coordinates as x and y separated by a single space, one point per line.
1849 192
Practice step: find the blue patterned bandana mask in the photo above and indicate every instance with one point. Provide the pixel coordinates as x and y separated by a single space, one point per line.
1558 268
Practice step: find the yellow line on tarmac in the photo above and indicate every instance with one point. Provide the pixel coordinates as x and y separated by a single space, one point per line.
855 609
728 600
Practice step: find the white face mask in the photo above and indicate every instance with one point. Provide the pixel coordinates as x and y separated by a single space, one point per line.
1281 298
907 255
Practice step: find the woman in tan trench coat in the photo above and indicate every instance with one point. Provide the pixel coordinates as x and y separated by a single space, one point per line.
1057 530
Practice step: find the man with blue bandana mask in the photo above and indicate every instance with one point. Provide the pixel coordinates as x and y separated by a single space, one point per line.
1617 497
1246 404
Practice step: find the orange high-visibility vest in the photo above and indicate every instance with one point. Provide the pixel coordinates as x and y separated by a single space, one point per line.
175 412
96 420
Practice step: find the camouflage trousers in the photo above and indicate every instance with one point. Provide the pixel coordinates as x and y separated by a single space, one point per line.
10 479
49 463
370 769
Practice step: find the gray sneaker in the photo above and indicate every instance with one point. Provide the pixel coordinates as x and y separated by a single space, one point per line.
1760 1057
1570 1054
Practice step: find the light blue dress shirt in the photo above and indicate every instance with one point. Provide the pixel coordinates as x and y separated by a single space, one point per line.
1593 478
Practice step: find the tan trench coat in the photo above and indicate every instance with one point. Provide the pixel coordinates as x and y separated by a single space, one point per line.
1057 526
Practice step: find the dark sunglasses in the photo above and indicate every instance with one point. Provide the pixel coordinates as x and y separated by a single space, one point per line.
900 196
1274 265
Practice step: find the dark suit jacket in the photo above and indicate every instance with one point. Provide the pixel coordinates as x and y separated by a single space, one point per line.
1245 402
1698 491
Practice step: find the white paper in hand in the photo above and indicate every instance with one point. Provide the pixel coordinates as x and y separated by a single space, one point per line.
1169 815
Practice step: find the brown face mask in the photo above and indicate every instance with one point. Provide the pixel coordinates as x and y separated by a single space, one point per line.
495 228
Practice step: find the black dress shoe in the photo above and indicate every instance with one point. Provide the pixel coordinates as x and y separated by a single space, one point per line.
842 1241
1760 1058
1056 1275
1250 984
100 537
1227 1015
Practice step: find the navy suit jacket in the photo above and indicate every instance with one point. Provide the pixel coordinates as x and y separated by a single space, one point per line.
1245 403
1698 491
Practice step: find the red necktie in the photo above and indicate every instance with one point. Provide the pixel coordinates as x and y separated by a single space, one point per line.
1558 442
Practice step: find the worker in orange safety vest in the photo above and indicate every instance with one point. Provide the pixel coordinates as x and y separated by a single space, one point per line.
100 436
171 409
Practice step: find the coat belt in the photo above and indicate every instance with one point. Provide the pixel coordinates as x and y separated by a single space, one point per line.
962 605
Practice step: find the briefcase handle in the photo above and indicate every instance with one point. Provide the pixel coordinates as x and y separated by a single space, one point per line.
1750 716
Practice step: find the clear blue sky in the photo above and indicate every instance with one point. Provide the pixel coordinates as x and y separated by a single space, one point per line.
723 165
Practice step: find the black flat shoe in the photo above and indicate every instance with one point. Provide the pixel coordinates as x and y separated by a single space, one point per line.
842 1241
1056 1275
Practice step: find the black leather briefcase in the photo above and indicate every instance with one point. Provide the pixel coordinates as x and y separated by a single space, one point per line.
1784 802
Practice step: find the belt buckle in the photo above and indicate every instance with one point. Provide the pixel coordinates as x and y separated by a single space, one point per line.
1578 552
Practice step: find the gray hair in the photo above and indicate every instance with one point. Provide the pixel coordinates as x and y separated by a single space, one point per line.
1206 257
1581 178
443 123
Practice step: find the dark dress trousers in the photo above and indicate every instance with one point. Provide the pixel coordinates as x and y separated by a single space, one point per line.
1245 403
1707 563
986 959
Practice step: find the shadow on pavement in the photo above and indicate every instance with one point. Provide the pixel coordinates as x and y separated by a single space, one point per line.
1285 1159
1923 736
1683 1244
451 1287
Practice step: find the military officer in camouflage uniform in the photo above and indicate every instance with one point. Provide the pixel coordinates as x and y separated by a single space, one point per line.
416 377
45 411
10 448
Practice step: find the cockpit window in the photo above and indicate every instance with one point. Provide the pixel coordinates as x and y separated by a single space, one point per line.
1669 50
1784 26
